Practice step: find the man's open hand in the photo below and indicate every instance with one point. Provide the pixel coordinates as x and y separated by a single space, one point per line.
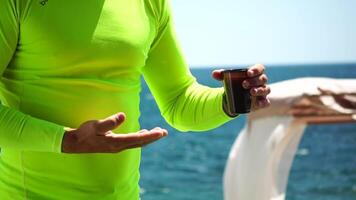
96 136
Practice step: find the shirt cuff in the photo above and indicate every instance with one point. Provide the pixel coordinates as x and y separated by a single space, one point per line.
58 139
41 135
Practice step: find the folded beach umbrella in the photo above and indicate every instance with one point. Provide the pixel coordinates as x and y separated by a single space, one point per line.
260 159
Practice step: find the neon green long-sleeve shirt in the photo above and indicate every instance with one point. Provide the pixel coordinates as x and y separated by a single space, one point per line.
63 62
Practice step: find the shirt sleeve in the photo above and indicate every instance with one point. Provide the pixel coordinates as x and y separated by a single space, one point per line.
19 130
184 103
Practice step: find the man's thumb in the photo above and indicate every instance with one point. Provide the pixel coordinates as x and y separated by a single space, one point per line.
110 123
217 74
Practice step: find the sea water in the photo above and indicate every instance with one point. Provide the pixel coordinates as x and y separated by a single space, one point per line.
190 166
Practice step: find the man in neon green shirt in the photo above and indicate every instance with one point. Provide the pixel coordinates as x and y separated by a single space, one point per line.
64 65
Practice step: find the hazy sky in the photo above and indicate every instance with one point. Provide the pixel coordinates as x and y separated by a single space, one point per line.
228 32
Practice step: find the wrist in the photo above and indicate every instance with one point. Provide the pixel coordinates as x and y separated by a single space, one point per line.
69 140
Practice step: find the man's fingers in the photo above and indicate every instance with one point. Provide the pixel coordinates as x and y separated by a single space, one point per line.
165 132
141 136
146 141
142 144
255 70
255 82
260 91
110 123
217 74
119 142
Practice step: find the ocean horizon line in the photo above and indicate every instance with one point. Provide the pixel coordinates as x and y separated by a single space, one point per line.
275 65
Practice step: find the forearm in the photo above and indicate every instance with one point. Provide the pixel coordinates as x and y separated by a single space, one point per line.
197 108
23 132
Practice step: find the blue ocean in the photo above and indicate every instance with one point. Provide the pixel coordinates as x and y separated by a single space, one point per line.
190 166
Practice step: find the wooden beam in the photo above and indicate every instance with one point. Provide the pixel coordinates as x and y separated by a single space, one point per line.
330 119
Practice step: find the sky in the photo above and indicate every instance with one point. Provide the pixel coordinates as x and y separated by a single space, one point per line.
274 32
